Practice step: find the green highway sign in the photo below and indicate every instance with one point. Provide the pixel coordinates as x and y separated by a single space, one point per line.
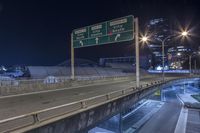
117 30
97 30
80 34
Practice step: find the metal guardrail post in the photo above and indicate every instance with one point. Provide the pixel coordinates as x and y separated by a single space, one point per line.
123 92
36 118
83 104
108 96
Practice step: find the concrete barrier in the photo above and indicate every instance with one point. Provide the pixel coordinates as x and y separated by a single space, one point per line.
59 110
15 123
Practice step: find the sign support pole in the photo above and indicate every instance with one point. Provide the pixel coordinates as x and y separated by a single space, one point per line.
137 52
72 58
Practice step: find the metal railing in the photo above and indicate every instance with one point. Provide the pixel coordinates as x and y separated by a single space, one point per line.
27 86
53 80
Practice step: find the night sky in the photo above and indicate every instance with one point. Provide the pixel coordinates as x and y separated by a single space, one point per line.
37 32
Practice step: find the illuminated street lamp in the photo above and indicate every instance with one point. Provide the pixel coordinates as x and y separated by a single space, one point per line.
145 39
184 33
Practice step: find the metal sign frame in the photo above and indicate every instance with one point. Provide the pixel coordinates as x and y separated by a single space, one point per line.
135 36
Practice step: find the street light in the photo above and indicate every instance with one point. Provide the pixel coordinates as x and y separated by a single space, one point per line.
184 33
145 39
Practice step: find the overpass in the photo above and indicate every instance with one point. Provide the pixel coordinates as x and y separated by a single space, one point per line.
72 109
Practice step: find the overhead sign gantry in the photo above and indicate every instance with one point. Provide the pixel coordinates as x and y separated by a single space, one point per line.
113 31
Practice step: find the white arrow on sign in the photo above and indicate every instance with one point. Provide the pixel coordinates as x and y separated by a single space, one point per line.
81 42
97 40
117 36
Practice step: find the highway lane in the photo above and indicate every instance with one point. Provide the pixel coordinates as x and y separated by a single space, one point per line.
165 120
19 105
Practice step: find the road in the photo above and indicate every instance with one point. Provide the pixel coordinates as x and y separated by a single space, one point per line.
165 120
23 104
166 116
139 116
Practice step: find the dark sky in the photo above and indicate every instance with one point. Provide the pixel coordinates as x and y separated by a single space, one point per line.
37 32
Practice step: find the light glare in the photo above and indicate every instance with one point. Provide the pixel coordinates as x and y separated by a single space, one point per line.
184 33
144 39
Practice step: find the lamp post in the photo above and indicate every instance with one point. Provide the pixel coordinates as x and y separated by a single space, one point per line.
190 64
163 54
184 34
145 39
195 66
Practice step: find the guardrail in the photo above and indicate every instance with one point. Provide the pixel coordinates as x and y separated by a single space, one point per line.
27 86
39 117
52 80
194 72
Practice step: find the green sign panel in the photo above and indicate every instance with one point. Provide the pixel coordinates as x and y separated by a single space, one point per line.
117 30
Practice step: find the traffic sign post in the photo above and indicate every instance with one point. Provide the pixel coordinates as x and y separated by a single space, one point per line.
72 59
137 53
113 31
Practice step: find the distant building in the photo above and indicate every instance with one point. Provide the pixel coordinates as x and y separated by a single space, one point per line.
158 29
177 56
145 61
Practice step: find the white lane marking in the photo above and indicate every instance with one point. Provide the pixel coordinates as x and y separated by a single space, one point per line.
182 121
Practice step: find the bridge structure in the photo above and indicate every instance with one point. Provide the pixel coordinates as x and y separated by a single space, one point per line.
74 108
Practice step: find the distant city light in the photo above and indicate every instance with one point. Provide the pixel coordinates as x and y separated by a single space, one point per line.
159 68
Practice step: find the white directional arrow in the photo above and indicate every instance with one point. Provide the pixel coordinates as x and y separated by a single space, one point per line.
117 36
97 40
81 42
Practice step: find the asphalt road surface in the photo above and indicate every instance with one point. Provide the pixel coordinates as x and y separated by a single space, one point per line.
19 105
165 120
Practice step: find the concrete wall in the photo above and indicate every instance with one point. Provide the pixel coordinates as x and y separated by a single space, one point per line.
44 71
90 117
